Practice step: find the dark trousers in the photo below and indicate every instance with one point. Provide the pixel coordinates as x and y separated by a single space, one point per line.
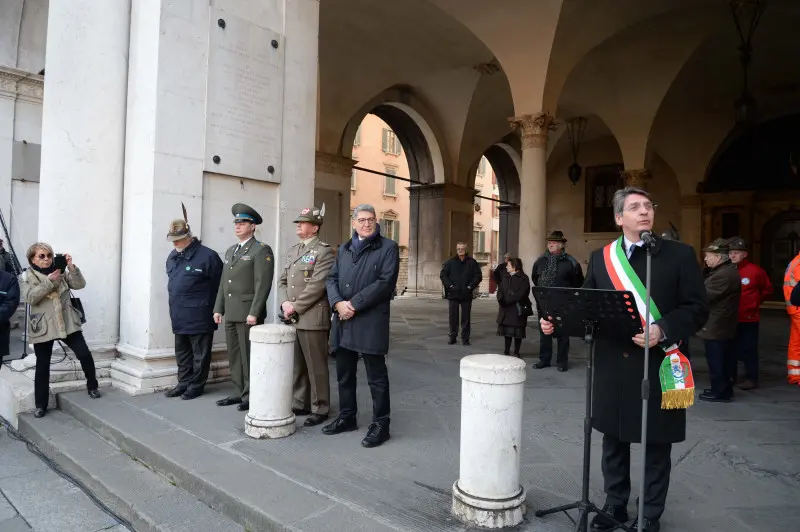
5 340
546 349
466 309
747 349
616 465
237 336
44 352
377 378
193 354
721 360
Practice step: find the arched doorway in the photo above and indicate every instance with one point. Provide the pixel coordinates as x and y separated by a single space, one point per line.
780 242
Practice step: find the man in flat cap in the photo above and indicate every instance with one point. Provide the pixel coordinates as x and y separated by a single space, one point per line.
304 304
194 272
242 298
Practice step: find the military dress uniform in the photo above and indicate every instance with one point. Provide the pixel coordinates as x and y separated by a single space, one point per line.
247 273
302 284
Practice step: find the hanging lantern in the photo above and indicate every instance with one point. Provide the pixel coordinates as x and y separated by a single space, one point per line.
746 16
576 129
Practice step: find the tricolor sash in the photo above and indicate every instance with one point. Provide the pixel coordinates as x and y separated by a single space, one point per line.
675 372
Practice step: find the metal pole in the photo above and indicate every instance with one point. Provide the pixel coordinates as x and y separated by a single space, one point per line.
645 391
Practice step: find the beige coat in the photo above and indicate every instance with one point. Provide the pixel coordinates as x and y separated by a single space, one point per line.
302 282
52 316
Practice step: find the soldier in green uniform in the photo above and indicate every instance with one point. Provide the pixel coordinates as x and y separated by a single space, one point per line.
242 298
304 302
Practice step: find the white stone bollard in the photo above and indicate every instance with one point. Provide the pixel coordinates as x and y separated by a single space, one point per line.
488 493
271 374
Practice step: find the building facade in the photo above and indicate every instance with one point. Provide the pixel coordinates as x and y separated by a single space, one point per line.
113 113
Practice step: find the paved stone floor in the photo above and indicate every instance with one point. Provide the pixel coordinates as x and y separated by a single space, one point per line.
739 469
34 497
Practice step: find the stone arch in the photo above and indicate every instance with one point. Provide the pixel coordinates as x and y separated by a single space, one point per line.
506 162
412 122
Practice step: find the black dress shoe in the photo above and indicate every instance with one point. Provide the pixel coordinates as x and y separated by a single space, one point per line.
377 433
228 401
465 342
189 395
244 406
541 365
601 522
175 392
95 394
339 425
314 419
451 341
562 368
647 525
300 411
40 412
710 397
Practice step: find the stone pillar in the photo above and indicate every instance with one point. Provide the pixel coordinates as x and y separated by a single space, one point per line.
83 147
332 186
533 184
488 493
509 231
441 215
638 178
271 364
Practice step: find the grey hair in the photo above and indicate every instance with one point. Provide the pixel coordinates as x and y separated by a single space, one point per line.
620 195
364 207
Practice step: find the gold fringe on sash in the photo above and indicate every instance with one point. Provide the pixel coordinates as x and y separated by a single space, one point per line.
677 399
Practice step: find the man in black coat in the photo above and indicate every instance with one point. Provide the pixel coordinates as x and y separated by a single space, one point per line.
9 301
360 287
194 273
677 291
460 276
556 268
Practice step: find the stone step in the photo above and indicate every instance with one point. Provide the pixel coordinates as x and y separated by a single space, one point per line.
246 491
148 500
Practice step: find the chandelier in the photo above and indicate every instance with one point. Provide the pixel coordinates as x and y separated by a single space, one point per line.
746 16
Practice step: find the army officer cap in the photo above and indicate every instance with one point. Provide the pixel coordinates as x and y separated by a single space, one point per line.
311 215
245 213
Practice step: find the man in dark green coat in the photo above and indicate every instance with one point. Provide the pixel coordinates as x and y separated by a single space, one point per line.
242 298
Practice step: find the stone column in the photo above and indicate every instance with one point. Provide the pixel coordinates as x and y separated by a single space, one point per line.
332 186
638 178
271 364
441 215
533 184
83 146
488 493
509 231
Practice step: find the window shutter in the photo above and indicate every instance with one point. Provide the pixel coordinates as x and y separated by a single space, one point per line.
382 223
388 186
482 241
396 235
385 140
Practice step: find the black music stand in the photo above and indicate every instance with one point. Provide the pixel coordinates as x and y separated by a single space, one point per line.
588 313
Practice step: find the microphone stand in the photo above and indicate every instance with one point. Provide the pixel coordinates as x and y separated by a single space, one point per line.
648 243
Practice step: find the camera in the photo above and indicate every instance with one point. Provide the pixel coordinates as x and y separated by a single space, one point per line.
290 319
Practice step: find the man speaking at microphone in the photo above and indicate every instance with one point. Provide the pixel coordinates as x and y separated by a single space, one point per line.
679 307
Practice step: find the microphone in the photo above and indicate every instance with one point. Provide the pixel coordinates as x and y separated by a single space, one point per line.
647 237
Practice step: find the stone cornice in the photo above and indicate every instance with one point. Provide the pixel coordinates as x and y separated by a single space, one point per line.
534 128
17 84
334 164
636 178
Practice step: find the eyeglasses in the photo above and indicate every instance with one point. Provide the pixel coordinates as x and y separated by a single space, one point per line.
42 256
633 207
365 221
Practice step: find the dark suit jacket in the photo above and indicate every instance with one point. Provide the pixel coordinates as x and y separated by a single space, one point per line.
678 292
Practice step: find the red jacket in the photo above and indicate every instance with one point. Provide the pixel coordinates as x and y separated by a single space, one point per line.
756 286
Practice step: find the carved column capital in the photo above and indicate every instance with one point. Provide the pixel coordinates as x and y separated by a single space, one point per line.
637 178
334 164
534 128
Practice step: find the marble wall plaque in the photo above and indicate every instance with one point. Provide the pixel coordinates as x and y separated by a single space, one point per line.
244 99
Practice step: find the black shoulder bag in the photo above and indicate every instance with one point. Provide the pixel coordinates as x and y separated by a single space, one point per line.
77 305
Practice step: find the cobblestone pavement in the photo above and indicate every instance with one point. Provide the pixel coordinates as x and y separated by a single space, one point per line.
738 470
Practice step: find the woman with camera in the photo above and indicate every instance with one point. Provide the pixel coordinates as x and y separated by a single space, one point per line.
46 288
515 305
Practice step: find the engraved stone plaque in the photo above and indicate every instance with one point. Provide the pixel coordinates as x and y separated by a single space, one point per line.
244 99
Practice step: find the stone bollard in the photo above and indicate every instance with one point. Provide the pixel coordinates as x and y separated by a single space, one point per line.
488 493
271 367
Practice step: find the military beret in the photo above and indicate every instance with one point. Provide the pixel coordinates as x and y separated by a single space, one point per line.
245 213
